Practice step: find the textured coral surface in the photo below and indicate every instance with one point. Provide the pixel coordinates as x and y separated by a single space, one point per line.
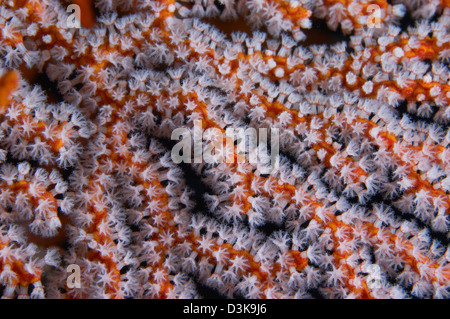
358 207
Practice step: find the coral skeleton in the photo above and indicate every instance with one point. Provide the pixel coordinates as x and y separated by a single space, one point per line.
358 206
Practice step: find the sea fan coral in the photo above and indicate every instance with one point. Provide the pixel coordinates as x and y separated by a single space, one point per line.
93 204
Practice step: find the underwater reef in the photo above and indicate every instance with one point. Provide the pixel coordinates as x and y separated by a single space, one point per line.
94 205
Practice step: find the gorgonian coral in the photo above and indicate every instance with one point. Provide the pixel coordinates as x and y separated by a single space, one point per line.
358 206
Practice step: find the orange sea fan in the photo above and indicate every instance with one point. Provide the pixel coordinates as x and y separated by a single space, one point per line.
355 205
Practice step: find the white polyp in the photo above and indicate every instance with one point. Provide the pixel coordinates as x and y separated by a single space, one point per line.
398 52
47 38
279 72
